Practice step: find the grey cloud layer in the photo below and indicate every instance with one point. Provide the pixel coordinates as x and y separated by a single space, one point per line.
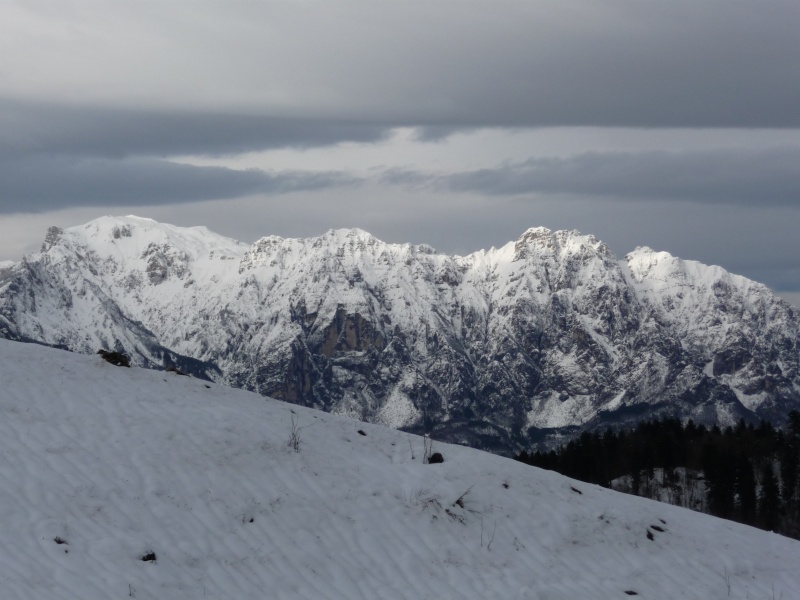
748 177
31 128
45 183
57 156
274 74
680 63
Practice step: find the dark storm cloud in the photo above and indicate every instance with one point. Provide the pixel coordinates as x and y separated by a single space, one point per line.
91 131
746 177
45 183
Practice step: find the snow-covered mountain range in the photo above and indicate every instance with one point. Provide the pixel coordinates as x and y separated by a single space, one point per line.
133 483
549 332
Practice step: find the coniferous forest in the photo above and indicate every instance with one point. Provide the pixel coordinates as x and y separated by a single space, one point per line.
746 473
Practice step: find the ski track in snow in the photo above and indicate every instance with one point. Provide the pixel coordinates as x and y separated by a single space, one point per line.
121 462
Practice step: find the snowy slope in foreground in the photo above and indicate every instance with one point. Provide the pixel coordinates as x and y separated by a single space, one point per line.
120 462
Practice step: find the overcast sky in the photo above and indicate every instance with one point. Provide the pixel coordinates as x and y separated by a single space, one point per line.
456 123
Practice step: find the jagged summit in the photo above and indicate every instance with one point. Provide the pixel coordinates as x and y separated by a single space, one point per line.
132 232
118 230
536 232
543 242
352 239
348 234
549 332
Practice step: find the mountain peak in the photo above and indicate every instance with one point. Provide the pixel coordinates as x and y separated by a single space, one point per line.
543 241
542 333
562 237
533 233
348 233
130 235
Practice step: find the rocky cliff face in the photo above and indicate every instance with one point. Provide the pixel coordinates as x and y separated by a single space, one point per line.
547 334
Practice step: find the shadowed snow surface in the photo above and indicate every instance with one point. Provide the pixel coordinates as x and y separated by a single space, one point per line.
119 463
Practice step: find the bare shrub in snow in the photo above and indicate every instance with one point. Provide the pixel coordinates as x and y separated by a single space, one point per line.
429 457
295 438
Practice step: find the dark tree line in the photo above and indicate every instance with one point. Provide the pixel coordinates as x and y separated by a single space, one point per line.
751 473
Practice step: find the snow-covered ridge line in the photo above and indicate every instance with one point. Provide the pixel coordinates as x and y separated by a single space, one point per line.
548 331
130 483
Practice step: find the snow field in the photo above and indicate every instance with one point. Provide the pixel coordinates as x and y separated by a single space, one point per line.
118 463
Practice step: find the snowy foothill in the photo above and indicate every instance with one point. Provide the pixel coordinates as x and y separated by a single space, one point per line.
130 483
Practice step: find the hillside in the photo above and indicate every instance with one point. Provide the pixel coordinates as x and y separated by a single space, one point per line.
104 465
